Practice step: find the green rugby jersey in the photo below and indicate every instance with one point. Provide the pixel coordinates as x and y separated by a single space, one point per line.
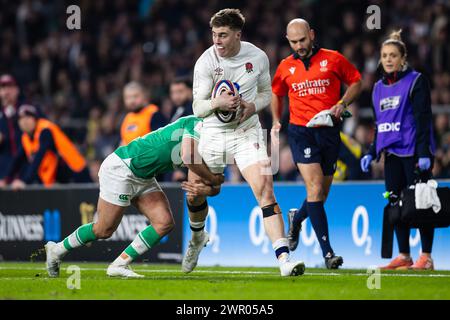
158 151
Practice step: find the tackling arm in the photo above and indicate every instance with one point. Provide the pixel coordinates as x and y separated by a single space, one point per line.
193 161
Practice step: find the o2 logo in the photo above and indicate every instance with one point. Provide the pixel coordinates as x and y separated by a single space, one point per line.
363 238
211 227
256 230
414 241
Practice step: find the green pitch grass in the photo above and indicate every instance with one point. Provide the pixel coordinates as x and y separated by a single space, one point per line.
30 281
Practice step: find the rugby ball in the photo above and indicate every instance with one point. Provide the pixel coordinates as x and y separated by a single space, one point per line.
222 87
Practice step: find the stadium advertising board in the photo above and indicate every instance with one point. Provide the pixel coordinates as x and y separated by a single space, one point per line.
355 213
30 218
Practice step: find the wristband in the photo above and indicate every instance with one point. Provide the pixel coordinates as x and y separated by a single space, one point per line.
342 102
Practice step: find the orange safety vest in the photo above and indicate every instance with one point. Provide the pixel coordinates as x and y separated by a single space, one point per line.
137 124
49 164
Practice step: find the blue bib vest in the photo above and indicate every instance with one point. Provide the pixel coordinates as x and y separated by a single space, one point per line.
396 127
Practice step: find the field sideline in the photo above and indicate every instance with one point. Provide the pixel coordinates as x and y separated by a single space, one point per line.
167 282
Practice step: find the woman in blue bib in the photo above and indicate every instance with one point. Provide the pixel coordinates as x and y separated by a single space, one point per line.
402 106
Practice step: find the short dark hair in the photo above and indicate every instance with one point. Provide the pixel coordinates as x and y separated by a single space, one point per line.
182 80
232 18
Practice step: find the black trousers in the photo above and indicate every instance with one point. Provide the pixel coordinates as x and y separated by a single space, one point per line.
399 174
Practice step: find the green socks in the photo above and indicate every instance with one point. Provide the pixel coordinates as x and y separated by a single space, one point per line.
145 240
80 237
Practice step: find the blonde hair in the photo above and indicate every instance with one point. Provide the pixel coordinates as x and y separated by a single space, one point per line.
395 39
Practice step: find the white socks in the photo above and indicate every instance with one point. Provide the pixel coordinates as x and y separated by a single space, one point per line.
197 235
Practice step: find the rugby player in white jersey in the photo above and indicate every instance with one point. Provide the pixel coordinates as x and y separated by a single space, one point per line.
238 138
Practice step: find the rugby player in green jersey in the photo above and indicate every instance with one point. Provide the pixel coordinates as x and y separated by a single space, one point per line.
127 176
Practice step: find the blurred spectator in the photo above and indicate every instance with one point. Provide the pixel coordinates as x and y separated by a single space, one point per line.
181 97
142 117
442 157
10 132
347 166
104 139
50 154
288 170
69 72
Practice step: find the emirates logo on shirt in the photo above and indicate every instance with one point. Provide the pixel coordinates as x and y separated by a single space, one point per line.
310 87
323 65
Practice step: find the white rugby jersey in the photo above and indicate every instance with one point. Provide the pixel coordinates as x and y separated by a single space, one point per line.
249 68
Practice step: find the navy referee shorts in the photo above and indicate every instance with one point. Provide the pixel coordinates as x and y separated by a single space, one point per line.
315 145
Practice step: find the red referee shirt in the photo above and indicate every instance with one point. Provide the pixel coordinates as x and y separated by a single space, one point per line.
315 88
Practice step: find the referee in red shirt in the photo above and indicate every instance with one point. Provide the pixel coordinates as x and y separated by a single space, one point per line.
312 77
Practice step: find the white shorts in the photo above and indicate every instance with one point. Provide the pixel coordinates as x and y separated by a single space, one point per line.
118 184
219 147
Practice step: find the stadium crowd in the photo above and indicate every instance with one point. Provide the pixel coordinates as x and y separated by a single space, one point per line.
76 77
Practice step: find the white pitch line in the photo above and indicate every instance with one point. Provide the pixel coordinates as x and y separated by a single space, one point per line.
255 272
152 270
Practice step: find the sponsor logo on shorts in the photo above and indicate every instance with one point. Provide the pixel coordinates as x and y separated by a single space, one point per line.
307 152
124 197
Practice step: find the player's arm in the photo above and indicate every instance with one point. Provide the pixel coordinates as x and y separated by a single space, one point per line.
194 162
263 95
203 84
196 187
